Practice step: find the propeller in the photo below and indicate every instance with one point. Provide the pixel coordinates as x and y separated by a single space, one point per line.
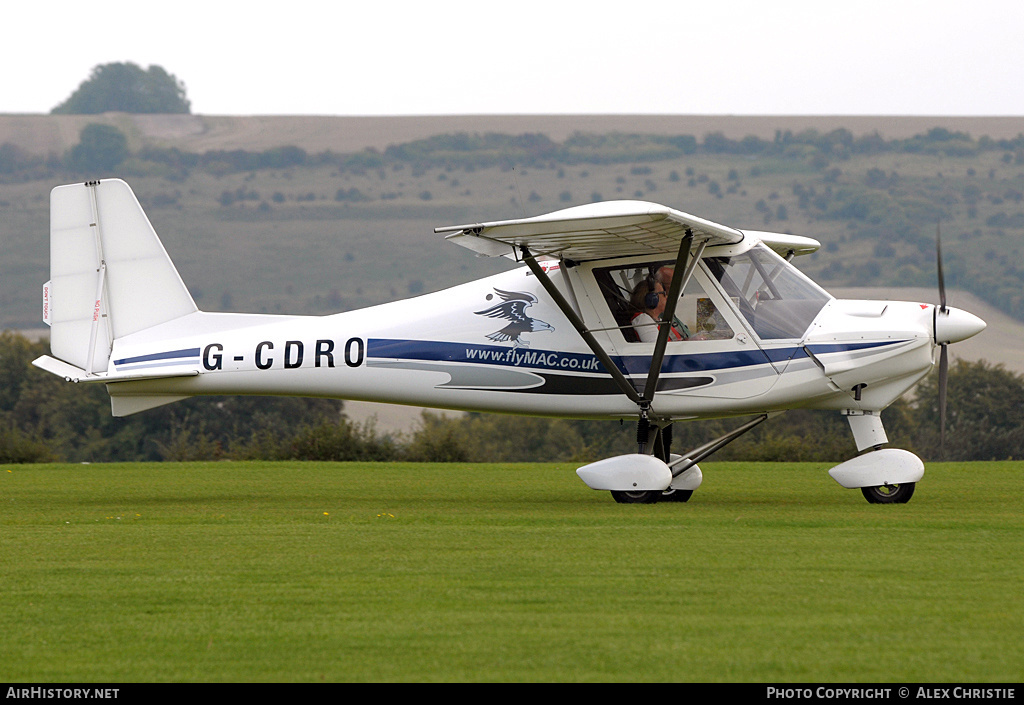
949 325
943 356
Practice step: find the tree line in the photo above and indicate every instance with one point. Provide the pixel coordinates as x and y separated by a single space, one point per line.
102 147
44 419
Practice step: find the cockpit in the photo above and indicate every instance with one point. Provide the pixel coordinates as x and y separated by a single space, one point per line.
775 299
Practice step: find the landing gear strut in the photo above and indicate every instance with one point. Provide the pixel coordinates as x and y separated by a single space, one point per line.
661 445
677 464
883 475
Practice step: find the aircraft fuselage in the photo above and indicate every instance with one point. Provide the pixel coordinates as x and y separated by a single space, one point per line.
435 350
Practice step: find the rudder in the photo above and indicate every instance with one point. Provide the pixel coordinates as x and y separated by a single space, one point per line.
110 275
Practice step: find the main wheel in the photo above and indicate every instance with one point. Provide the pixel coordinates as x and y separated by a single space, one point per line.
889 494
637 497
676 496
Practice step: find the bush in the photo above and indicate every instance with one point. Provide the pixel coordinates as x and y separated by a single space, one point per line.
342 440
18 447
439 440
100 148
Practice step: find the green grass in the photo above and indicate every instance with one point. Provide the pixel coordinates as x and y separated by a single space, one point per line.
414 572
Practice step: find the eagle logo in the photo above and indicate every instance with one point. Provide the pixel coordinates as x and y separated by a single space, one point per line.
513 309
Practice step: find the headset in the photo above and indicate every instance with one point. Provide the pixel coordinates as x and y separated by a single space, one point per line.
653 297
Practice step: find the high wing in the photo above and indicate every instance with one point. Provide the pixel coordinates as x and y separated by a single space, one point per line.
785 245
593 231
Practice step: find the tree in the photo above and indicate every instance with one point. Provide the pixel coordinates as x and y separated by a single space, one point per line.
99 148
126 88
984 413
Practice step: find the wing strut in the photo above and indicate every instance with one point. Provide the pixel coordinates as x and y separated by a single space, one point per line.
577 323
680 275
667 315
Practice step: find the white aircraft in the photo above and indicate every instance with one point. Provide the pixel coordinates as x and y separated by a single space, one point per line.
623 310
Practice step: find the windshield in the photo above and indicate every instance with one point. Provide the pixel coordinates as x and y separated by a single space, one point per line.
776 299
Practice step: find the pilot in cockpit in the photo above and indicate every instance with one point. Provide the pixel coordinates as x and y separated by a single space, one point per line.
648 300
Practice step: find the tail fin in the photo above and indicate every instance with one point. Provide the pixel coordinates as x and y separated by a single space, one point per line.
109 274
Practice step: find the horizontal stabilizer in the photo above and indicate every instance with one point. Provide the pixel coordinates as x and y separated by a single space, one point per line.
126 406
119 405
59 368
77 374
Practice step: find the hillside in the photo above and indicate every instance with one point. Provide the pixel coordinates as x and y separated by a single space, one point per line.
340 227
43 134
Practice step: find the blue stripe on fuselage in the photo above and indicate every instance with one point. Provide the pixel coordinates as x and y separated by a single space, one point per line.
552 359
825 349
168 355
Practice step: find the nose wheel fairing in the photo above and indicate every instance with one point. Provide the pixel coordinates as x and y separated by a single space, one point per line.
879 468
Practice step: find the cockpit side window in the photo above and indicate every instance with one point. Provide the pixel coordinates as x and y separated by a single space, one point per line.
624 288
616 287
776 299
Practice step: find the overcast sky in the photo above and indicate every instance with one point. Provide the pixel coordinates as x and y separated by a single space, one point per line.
796 57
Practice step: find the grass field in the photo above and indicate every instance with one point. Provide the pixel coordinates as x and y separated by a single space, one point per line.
414 572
